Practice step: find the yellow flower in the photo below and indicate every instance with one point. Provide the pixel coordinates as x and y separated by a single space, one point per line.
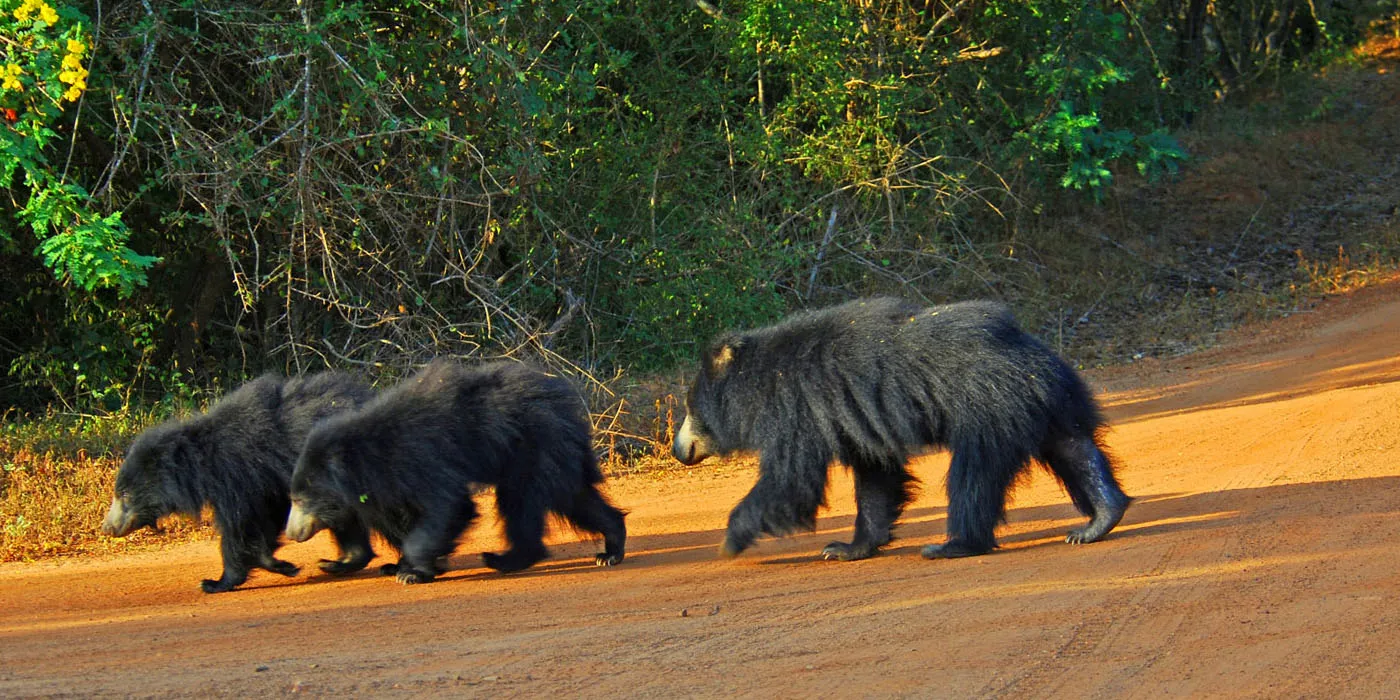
25 12
72 62
9 78
76 48
73 93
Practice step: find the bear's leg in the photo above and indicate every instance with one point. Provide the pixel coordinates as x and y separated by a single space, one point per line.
882 490
395 543
355 552
434 537
592 513
1087 474
978 480
523 512
791 487
269 538
278 566
238 556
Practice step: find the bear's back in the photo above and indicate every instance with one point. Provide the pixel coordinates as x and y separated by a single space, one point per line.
483 407
246 422
887 330
309 400
234 453
967 361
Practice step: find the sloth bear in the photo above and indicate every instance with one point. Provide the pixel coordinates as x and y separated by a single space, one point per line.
238 459
406 463
874 382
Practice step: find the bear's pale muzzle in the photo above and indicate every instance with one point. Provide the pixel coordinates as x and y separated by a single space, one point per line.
119 520
689 447
301 525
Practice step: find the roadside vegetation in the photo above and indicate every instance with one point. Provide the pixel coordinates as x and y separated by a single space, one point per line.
202 192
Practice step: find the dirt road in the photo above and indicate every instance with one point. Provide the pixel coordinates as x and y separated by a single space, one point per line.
1262 558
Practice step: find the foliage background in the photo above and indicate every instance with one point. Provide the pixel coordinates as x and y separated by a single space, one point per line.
596 184
201 191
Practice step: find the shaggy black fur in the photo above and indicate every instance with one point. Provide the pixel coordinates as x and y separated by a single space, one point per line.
871 383
237 458
407 461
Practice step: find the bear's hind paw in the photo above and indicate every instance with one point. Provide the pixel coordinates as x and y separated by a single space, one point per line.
953 549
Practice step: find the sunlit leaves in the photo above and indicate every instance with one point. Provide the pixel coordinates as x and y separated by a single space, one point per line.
43 71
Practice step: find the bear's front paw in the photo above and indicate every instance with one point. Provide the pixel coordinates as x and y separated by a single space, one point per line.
503 563
840 551
409 577
1078 535
210 585
285 568
512 560
336 567
605 559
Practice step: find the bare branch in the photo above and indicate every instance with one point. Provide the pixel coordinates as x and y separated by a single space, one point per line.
821 252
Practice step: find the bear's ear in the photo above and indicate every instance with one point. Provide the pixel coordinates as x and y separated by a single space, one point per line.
722 354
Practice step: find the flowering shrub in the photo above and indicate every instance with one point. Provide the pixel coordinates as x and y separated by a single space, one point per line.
42 74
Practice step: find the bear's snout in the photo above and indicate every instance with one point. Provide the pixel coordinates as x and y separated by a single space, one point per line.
683 453
301 525
689 446
119 520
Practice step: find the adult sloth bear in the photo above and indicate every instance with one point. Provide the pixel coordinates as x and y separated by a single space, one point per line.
873 382
406 463
238 459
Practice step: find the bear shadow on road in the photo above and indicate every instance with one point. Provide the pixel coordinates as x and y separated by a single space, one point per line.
1151 515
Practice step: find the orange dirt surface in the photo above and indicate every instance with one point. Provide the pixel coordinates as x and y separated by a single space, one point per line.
1261 559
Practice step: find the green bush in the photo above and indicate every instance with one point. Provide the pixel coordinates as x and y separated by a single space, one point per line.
43 73
599 184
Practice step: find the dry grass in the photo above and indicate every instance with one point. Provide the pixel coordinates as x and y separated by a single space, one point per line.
55 486
637 438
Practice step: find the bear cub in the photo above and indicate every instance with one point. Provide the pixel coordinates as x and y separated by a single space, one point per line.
238 458
406 463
